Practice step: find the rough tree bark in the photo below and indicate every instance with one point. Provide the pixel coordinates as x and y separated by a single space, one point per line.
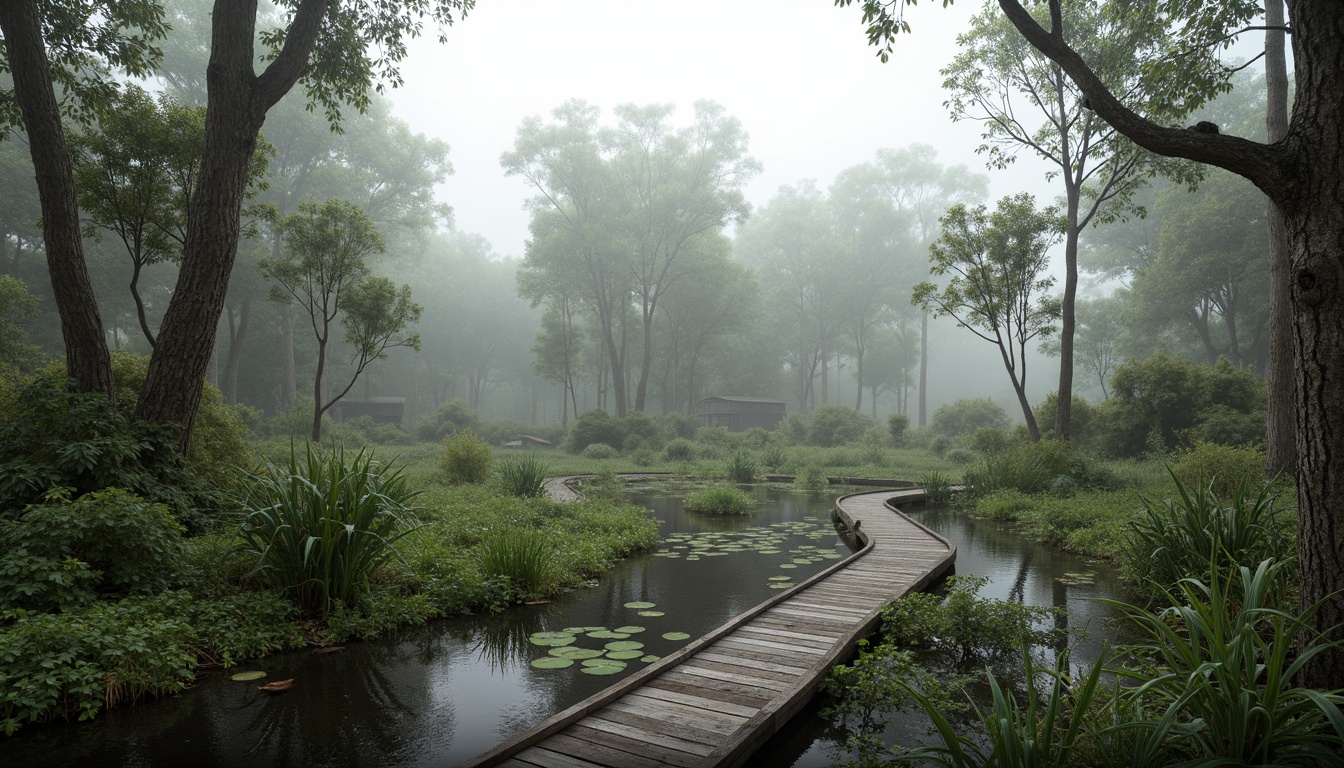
1280 437
1303 175
86 356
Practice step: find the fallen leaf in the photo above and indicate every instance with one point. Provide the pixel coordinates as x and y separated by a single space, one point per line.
279 686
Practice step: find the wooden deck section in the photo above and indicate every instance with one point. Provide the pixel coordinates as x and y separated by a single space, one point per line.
718 699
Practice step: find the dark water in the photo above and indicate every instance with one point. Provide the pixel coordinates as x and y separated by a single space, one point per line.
439 694
1018 569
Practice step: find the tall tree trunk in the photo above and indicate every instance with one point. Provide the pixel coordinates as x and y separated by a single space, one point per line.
1280 439
87 359
1064 402
291 377
236 338
924 370
136 266
646 365
319 389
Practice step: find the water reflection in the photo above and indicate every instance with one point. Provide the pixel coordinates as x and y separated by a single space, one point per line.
439 694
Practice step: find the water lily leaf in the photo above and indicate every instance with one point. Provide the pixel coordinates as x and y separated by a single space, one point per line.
780 578
650 659
787 565
603 663
624 645
244 677
574 652
624 654
551 638
629 630
652 614
782 585
609 669
608 635
676 636
640 604
552 662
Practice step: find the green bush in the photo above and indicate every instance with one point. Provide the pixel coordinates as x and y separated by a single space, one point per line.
1224 467
1081 419
297 422
64 553
959 419
55 438
960 456
643 458
1006 505
1028 468
897 424
937 487
466 458
720 500
741 467
639 428
773 457
835 425
322 526
453 416
72 664
811 478
524 557
679 425
990 440
679 449
522 475
600 451
595 426
963 627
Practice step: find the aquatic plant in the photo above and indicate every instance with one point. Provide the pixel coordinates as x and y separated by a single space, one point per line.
811 478
720 500
522 475
524 556
321 526
937 487
741 467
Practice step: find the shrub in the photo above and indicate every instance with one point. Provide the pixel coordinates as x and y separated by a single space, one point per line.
773 457
1005 506
1197 533
595 426
72 664
1223 467
939 445
1081 418
523 556
643 458
58 438
676 424
964 627
453 416
897 424
755 437
322 526
741 468
679 449
720 500
466 458
960 456
639 427
835 425
990 440
64 553
793 429
716 437
937 487
1062 487
1028 468
599 451
522 476
811 478
955 420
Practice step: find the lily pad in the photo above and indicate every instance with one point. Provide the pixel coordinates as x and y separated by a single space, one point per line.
607 634
631 630
624 645
580 630
780 578
244 677
606 669
640 604
575 652
676 636
652 614
781 585
619 655
552 662
551 638
650 659
787 565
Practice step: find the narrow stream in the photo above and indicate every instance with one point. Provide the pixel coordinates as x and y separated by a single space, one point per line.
439 694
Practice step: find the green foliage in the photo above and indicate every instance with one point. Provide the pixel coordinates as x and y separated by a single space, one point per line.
595 426
639 430
721 500
741 467
1005 505
466 458
643 457
522 476
62 554
811 478
835 425
679 425
17 306
54 438
963 627
71 664
1082 415
989 440
965 416
525 558
1222 467
451 417
773 457
897 424
230 628
599 451
1216 670
937 487
679 449
1196 532
322 526
960 456
1178 401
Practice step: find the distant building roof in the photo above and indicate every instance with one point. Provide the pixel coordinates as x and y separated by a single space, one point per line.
534 439
736 399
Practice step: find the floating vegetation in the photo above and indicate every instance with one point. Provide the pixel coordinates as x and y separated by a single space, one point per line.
1076 579
606 634
623 655
624 645
782 585
652 614
551 638
676 636
552 662
602 666
639 604
244 677
780 578
575 652
650 659
629 630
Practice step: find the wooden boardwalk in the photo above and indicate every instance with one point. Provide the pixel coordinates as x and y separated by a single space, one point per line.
718 699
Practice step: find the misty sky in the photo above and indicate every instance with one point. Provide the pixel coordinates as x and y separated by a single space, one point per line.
798 73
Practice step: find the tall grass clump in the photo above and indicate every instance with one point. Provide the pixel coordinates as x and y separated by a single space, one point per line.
937 487
321 526
1195 532
811 478
522 475
720 500
741 467
466 458
524 556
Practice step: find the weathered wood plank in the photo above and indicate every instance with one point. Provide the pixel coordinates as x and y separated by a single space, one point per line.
606 737
699 702
548 759
602 754
698 738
